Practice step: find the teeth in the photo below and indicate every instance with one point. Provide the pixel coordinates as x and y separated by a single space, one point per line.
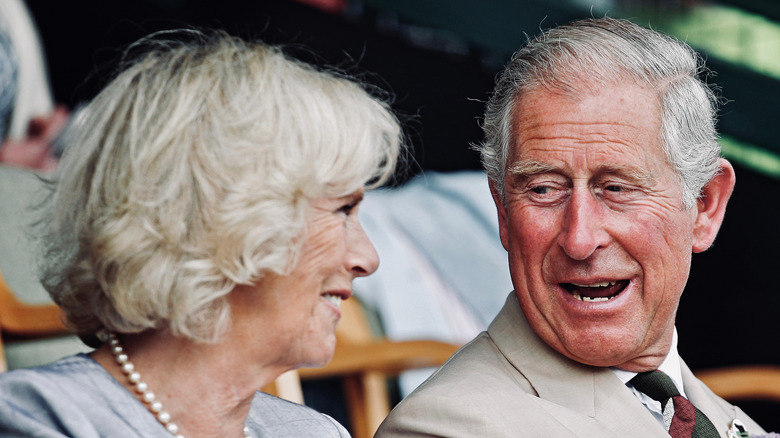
589 299
333 299
599 284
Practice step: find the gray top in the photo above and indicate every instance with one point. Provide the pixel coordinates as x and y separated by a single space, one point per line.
76 397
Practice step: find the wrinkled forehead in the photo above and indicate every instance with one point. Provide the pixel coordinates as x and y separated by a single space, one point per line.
622 121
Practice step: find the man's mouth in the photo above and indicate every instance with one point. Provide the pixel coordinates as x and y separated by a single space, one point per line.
596 292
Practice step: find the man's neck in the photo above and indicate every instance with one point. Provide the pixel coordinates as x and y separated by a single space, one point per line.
671 366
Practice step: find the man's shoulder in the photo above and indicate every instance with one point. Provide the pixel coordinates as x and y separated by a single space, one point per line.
478 366
472 394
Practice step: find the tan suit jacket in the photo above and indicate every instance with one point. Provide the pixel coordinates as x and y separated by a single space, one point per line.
508 383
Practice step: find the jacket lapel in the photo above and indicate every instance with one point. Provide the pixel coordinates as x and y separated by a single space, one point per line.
592 392
720 412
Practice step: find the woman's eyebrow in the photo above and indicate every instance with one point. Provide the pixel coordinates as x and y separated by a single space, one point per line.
355 197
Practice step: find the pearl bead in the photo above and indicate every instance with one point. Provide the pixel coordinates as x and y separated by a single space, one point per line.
155 406
164 417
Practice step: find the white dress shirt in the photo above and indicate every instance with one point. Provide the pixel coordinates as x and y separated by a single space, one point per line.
671 367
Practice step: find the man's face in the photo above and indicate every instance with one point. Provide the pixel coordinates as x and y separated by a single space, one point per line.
599 243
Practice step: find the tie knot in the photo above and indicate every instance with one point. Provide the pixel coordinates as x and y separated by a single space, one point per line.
655 384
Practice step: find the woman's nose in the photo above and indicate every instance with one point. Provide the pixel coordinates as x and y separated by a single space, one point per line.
362 258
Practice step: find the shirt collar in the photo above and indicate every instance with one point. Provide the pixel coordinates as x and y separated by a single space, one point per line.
671 366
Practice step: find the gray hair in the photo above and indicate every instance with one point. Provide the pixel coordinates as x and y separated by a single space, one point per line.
193 171
599 52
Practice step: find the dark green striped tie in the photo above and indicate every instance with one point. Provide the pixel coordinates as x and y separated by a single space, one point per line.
687 422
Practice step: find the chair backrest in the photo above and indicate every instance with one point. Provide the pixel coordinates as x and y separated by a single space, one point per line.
27 320
746 382
364 362
286 386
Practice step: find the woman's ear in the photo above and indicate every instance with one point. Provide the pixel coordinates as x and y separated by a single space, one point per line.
711 206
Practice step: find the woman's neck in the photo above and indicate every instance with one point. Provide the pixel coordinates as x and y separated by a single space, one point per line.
206 388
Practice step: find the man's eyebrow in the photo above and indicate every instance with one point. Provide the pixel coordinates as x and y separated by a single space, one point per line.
526 168
638 176
529 167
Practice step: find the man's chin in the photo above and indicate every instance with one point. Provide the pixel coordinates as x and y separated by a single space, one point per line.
598 353
628 360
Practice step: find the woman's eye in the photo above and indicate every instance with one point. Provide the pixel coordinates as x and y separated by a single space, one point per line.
348 209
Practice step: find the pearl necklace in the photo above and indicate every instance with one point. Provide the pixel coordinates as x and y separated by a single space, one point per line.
134 377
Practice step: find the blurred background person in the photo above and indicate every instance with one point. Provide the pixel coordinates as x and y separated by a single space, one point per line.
33 121
8 82
203 232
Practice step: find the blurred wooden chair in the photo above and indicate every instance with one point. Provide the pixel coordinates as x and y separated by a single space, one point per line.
364 362
286 386
746 382
18 318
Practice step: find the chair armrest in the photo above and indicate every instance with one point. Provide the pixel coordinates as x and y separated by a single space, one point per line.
20 318
384 356
749 382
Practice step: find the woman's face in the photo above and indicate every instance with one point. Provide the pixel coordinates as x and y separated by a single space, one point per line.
292 318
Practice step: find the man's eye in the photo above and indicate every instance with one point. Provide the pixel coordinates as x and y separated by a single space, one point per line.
541 190
614 188
546 193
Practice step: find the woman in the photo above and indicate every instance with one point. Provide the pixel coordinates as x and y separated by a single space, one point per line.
203 233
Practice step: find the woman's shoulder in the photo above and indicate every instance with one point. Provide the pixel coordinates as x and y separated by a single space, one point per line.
73 396
284 419
50 377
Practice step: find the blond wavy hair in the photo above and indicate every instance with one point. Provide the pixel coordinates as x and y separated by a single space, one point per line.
192 172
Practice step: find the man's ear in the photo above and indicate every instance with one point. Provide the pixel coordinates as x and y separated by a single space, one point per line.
502 214
712 207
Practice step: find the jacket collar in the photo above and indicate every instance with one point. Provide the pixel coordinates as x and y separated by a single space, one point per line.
591 391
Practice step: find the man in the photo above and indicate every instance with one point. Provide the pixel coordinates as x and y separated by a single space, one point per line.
603 163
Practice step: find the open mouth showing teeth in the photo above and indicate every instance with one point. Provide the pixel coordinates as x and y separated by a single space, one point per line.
334 299
596 292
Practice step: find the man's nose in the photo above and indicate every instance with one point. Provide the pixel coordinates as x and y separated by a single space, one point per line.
583 225
362 258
